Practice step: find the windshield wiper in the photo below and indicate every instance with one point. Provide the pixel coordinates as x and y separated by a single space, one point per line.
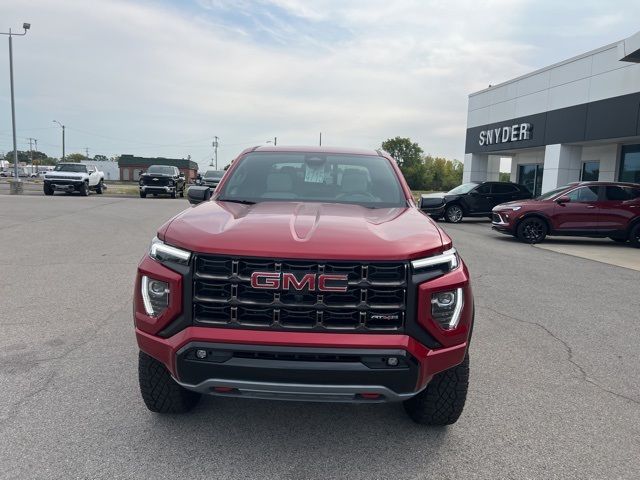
234 200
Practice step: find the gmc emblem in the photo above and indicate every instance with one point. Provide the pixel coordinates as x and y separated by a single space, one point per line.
286 281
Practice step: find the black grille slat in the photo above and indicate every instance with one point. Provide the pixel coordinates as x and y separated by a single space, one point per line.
223 296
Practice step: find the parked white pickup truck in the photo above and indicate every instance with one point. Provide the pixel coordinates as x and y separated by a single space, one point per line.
74 177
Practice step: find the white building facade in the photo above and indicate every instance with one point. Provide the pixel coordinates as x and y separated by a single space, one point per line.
576 120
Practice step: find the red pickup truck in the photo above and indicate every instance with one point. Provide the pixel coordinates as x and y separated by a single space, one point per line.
309 274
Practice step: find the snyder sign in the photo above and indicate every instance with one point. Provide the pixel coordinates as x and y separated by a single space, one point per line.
513 133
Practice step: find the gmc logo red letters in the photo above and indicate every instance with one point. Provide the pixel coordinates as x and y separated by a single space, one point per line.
288 281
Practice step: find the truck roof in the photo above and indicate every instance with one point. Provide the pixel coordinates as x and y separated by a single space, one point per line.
315 149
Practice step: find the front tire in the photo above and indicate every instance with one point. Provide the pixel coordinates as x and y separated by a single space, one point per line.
634 236
182 193
442 402
143 195
453 214
160 392
173 194
84 189
48 190
100 187
532 230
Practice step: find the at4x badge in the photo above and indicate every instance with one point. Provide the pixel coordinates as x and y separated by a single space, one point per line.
311 281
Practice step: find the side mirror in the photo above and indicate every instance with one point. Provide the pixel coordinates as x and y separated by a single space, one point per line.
563 199
198 195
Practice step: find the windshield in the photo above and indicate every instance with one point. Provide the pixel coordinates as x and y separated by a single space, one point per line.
360 179
461 189
551 194
214 174
68 167
160 170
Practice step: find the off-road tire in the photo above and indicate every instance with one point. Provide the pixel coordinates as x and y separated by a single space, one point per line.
99 187
143 195
182 193
532 230
634 236
84 189
48 190
453 213
442 402
160 392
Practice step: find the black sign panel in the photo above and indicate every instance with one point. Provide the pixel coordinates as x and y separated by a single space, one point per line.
611 118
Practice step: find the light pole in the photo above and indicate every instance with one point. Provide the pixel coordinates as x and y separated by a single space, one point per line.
63 127
25 26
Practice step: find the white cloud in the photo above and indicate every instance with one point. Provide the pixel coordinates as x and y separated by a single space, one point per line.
157 75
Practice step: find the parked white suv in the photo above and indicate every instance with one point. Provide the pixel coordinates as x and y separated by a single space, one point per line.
74 177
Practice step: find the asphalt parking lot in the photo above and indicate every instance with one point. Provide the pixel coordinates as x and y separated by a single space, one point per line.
555 390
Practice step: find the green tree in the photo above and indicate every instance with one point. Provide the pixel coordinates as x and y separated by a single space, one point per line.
100 158
407 153
505 177
75 157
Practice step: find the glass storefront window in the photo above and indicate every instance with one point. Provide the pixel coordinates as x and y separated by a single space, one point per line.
531 177
590 171
630 164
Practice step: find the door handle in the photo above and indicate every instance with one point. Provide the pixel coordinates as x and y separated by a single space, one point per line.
591 206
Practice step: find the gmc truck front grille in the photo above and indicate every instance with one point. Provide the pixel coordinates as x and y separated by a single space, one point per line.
156 181
374 300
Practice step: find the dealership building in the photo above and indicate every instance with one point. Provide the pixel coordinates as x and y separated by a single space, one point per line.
576 120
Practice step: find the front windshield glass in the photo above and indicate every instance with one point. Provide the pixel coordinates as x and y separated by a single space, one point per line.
461 189
68 167
309 177
214 174
160 170
551 193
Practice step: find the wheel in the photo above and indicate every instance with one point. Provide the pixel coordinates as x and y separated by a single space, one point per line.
532 230
160 392
84 189
173 194
48 190
142 194
453 214
182 193
634 236
442 402
100 187
618 239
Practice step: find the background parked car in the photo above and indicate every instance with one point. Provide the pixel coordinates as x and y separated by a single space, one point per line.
211 178
162 179
587 209
471 200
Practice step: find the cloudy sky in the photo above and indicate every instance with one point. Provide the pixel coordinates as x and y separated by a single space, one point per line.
163 77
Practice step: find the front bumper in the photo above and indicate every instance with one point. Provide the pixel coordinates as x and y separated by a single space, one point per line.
300 366
152 189
64 185
434 211
501 223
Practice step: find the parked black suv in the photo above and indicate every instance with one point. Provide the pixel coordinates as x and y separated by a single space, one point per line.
162 179
471 200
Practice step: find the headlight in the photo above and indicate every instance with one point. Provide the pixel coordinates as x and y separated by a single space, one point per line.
448 259
446 308
155 296
161 251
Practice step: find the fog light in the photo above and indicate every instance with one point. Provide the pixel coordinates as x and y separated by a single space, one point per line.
446 308
201 354
392 361
155 296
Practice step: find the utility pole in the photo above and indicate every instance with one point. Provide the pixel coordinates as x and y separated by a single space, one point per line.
86 150
35 140
25 26
215 150
63 128
275 141
31 153
320 138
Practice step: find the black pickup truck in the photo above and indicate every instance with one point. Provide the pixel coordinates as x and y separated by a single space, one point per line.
162 180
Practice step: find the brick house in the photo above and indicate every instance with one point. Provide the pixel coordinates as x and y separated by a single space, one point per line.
131 166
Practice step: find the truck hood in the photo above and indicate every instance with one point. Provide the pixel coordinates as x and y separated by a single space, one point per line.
305 230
